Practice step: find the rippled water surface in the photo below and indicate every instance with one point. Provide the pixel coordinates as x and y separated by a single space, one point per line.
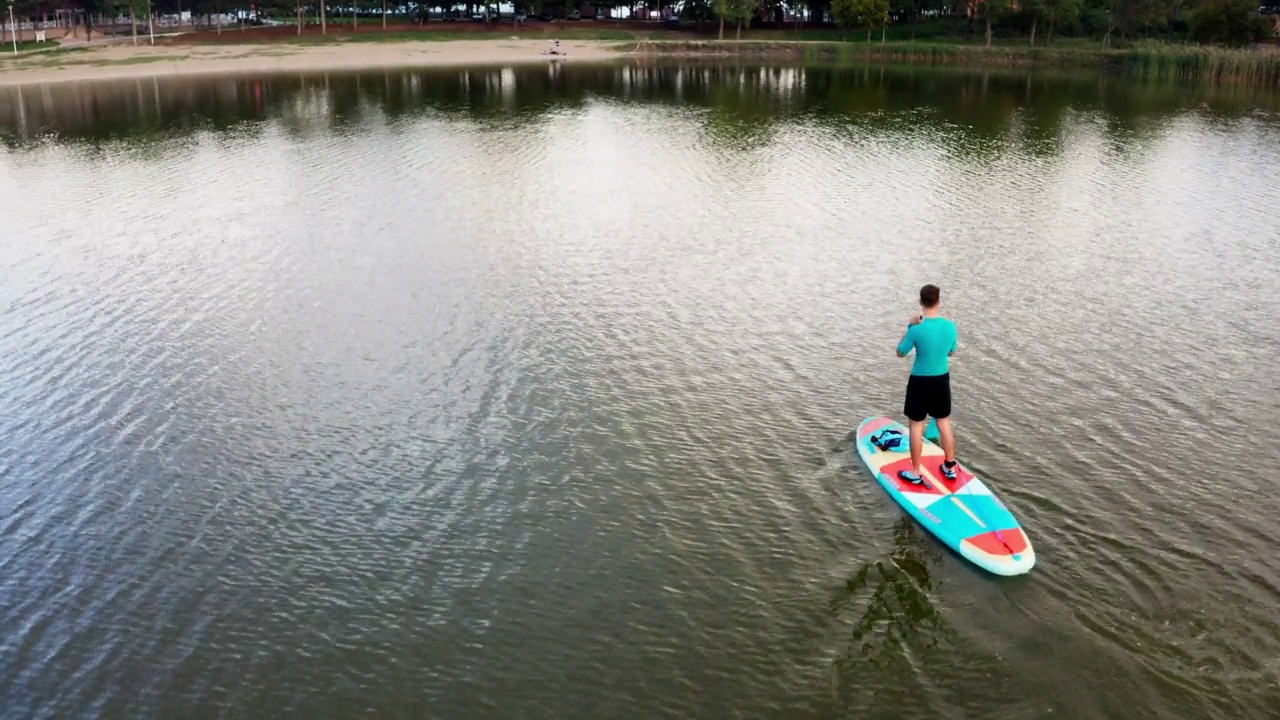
527 393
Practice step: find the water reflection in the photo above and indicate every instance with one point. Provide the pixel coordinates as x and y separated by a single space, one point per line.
745 105
456 391
898 617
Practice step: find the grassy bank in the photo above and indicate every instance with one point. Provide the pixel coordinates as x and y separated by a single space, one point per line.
1198 62
1156 61
1144 60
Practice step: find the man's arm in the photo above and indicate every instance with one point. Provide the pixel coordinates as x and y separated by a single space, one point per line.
907 342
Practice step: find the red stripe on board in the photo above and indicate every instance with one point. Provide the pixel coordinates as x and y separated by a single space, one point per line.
989 543
962 477
892 469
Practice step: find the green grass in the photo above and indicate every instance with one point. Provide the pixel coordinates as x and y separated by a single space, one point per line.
139 60
1199 62
63 52
6 48
58 59
859 48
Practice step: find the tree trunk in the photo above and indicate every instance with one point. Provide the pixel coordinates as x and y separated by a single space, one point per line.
384 15
1034 21
868 34
1048 37
299 9
355 20
217 17
988 28
721 27
1111 22
739 35
883 29
324 29
133 25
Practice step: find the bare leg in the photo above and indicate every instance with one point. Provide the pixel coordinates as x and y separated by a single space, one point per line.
948 438
917 445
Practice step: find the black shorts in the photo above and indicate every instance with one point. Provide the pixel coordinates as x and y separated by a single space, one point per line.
928 395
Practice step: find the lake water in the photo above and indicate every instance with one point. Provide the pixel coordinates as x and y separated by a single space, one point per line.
526 393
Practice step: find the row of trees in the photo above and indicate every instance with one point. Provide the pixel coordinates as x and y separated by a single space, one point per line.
1232 22
1038 21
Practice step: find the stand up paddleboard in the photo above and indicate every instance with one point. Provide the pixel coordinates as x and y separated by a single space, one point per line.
962 513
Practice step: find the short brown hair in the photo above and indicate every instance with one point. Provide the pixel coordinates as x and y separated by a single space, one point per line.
929 295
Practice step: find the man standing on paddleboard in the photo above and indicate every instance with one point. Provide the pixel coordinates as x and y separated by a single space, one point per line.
929 388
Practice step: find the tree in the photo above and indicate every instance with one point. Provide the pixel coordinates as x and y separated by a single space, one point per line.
1229 22
846 13
798 8
1057 11
89 8
133 20
876 11
909 9
992 9
1036 9
133 7
697 10
1128 15
739 10
860 13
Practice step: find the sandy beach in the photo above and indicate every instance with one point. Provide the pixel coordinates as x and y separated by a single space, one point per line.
129 61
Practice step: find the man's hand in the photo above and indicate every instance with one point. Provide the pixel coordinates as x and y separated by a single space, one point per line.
915 320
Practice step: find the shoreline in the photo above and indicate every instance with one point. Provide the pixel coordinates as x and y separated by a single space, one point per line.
1151 61
175 58
130 62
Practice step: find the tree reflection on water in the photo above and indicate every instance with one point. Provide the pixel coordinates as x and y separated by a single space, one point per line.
897 617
